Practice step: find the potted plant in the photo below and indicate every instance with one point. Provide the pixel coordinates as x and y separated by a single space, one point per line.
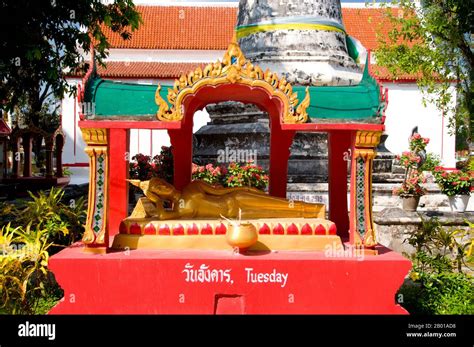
411 190
431 162
457 185
412 160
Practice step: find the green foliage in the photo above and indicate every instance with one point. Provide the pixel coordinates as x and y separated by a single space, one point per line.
432 161
46 211
471 164
444 293
24 277
67 172
438 284
26 285
432 41
454 182
49 42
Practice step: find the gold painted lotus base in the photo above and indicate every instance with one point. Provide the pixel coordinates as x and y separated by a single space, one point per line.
219 242
298 234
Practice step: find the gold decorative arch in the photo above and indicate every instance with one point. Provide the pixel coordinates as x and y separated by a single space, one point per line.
234 68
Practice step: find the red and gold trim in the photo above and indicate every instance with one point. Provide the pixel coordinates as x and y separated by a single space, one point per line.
95 229
284 226
361 219
273 234
234 69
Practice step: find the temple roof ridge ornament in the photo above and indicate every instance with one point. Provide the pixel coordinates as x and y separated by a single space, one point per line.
235 69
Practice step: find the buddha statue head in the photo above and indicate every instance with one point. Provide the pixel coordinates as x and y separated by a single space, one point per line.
158 187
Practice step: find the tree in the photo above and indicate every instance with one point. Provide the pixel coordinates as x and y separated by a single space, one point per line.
432 40
44 40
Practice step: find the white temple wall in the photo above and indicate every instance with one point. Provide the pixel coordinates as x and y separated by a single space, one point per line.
406 111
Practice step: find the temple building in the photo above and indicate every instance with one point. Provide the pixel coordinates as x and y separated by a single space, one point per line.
175 39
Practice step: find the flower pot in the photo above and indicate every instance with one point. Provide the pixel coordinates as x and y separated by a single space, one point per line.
410 203
458 203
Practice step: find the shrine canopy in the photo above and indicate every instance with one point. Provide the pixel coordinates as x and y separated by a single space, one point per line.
361 103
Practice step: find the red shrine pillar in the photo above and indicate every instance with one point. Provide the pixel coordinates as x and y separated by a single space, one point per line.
363 146
280 143
108 188
182 148
119 141
339 154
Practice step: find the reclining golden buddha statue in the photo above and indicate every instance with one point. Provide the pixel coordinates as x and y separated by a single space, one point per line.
200 200
205 217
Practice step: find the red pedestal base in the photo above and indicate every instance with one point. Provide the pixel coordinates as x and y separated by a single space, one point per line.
170 282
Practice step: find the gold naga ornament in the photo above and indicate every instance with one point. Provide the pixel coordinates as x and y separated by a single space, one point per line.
234 68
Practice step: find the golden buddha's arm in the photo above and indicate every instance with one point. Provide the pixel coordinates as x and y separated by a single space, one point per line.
208 189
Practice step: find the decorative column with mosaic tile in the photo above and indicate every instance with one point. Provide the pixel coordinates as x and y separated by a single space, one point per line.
362 232
95 236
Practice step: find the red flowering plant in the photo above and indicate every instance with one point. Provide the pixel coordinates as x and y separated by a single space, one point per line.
142 167
236 175
411 186
454 182
412 160
418 143
209 173
246 175
408 159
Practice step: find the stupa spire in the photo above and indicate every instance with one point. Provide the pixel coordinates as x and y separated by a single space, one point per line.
303 40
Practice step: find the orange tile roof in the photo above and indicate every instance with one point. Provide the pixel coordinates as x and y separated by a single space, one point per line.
365 23
160 70
211 28
117 69
177 27
208 28
382 73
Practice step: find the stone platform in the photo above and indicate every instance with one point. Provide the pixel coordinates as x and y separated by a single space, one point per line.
220 282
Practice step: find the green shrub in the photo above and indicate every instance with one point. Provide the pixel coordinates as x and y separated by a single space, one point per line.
32 231
63 223
25 281
432 161
438 284
441 293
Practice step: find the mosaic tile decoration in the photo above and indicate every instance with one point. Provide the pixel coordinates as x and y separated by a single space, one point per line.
99 194
360 196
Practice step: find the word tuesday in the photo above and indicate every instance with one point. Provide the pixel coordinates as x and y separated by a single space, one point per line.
265 277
